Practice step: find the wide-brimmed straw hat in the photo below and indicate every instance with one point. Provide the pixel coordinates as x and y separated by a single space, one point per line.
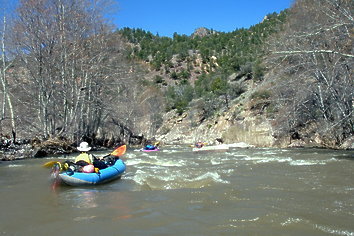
84 147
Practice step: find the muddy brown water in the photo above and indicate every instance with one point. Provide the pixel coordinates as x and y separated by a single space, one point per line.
178 192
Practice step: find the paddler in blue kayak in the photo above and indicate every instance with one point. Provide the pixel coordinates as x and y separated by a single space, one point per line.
152 147
199 144
88 161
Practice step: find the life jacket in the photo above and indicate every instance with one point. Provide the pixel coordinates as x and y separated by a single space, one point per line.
84 157
149 147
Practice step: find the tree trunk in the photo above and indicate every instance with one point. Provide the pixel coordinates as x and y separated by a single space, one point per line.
7 99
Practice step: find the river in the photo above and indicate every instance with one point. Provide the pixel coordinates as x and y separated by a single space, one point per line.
178 192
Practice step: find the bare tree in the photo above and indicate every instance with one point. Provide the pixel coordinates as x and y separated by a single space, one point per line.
314 59
129 102
71 79
7 104
63 46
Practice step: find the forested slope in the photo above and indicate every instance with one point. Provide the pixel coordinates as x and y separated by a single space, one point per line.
296 68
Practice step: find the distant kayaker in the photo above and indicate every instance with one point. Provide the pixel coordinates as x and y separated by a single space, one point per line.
199 144
152 147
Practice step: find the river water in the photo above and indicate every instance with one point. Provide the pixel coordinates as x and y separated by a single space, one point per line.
178 192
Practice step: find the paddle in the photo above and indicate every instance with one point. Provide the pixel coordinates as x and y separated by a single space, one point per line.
119 151
49 164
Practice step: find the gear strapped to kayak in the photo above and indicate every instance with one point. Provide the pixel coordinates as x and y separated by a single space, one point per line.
79 173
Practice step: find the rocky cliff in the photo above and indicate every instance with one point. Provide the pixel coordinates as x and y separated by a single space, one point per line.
184 129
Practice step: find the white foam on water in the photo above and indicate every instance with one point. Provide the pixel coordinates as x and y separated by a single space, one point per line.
84 218
130 154
290 160
322 228
268 159
244 220
167 162
153 160
330 230
139 177
135 162
238 155
210 175
307 162
169 151
216 161
15 165
269 153
166 179
291 220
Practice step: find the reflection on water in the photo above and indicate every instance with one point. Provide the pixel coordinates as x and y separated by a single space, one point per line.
82 198
175 191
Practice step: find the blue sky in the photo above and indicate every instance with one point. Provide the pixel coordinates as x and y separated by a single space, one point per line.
166 17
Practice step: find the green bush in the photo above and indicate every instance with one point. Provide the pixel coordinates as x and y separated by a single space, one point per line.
158 79
257 71
178 97
261 94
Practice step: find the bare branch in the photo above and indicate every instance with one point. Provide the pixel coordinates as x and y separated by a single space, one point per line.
312 52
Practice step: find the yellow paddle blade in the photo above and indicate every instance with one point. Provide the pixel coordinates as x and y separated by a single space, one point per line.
49 164
119 151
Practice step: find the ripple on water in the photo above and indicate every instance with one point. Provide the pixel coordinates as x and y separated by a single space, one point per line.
175 179
15 165
323 228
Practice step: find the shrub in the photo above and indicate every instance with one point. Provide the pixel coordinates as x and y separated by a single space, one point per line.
261 94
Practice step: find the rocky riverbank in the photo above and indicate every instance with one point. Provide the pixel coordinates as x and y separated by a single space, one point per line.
33 148
238 127
177 130
40 147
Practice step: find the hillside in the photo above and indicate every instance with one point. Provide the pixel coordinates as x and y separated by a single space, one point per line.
225 86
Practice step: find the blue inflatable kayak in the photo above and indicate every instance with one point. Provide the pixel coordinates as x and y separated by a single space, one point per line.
105 175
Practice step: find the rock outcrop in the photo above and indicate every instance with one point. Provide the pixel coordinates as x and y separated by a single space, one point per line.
190 127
